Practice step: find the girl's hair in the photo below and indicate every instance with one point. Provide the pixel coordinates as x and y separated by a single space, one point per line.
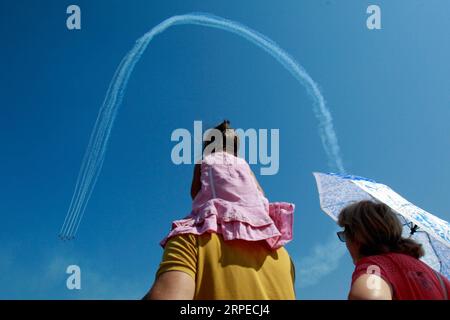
377 229
229 136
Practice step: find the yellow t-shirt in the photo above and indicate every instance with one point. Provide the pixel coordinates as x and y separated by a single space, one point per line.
230 270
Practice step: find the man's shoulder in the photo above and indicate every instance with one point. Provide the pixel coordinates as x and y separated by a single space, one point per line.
182 240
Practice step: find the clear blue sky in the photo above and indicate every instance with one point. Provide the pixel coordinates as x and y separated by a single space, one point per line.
388 91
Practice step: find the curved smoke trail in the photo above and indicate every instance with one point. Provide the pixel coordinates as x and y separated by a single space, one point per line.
95 152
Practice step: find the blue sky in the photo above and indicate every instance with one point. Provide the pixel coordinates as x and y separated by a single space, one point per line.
387 90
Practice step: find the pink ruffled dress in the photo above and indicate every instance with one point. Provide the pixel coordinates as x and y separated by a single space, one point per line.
230 203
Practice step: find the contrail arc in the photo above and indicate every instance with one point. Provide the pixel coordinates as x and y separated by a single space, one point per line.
95 152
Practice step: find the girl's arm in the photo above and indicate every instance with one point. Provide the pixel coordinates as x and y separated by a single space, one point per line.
196 182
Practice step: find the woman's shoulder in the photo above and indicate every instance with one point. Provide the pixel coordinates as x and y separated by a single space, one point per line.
388 263
380 265
387 259
375 264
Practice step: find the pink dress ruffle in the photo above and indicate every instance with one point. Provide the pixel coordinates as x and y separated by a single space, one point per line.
252 218
232 223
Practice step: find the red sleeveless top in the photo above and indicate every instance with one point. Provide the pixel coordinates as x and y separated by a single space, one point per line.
409 278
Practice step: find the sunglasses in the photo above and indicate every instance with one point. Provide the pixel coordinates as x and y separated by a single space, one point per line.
341 235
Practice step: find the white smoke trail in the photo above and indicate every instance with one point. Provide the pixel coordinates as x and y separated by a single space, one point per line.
95 152
323 260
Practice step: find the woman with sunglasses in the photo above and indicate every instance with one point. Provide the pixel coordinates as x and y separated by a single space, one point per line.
387 266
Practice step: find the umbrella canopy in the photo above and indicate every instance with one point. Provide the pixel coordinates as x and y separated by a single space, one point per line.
338 191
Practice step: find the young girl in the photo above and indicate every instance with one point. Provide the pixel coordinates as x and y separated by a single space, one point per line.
228 200
231 245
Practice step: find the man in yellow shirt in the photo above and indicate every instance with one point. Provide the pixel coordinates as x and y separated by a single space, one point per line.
206 267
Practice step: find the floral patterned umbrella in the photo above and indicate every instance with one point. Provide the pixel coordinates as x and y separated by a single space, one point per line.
338 191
